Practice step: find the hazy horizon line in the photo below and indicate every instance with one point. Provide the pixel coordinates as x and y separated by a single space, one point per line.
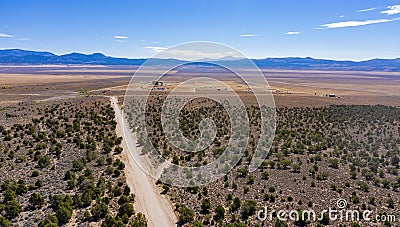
253 58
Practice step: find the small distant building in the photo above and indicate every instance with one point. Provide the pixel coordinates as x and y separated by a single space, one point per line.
157 83
160 88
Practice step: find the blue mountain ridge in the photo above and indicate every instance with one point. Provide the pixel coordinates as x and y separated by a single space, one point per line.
26 57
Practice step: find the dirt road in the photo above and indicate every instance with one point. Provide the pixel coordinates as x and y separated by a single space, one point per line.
148 200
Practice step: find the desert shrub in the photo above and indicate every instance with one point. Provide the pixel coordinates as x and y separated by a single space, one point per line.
242 172
198 224
124 199
49 221
118 150
71 183
127 190
4 222
43 161
12 209
248 209
139 221
251 179
87 198
390 203
205 206
284 164
363 186
235 204
264 175
185 214
36 200
219 213
35 173
109 170
90 156
99 210
296 167
64 212
322 176
58 200
69 175
280 223
78 165
334 163
126 208
325 219
117 191
21 188
110 221
100 161
9 195
117 173
41 146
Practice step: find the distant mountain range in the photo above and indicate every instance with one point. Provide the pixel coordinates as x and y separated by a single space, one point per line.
18 57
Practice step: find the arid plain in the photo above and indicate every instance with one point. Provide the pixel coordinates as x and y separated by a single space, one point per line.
290 87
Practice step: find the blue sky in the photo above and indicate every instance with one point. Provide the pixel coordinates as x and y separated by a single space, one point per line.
341 29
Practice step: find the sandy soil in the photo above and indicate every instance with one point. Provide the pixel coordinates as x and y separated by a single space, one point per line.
290 87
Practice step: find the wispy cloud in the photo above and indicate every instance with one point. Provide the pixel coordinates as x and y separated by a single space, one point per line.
120 37
196 54
121 41
341 16
292 33
155 48
24 39
247 35
392 10
2 35
366 10
345 24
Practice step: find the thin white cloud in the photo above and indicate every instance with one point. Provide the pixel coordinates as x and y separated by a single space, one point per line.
345 24
392 10
247 35
366 10
24 39
155 48
341 16
292 33
199 54
120 37
2 35
121 41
